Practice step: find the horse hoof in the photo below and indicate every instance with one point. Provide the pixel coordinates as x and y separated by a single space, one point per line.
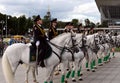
81 74
35 81
105 62
88 69
66 81
67 69
80 79
56 73
93 70
59 69
73 79
95 67
100 65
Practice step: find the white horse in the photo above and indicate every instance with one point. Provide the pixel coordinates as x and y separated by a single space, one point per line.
85 51
19 52
92 48
106 43
78 57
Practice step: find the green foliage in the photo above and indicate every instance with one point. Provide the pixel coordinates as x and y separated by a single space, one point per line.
60 24
75 22
117 49
21 25
16 25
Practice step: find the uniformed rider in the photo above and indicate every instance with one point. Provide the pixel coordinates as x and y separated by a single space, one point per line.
68 27
53 29
39 36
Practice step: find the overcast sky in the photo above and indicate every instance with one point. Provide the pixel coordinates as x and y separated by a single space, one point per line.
64 10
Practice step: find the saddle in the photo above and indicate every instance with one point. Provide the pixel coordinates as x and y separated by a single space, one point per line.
32 53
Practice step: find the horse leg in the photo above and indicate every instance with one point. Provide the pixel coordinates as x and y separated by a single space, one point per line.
63 70
79 68
94 61
87 63
49 74
73 71
92 65
26 74
57 70
34 75
105 56
100 57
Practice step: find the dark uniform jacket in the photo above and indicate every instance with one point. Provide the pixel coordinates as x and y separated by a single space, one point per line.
52 33
79 30
39 35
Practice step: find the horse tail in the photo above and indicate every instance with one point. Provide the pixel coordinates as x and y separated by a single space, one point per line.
7 70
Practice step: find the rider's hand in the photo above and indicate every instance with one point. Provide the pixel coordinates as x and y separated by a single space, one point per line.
37 43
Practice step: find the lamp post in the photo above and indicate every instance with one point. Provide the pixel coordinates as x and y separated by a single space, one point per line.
7 17
2 22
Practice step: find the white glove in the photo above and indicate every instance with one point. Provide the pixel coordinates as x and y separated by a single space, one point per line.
37 43
47 39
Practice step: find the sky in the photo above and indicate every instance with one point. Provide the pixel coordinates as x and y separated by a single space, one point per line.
63 10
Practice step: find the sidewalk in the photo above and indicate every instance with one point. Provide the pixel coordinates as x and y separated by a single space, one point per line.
108 73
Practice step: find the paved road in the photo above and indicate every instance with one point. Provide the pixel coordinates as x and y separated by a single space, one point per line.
108 73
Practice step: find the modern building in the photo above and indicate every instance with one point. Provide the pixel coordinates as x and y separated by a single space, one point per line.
110 11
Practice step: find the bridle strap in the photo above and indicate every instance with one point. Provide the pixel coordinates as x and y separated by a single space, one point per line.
63 49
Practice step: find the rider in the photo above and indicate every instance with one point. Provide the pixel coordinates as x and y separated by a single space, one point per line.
52 29
79 28
39 36
91 31
68 27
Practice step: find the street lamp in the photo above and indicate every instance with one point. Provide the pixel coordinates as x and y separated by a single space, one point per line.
7 17
2 22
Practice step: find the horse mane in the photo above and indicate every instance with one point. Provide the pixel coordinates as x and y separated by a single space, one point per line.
89 37
60 36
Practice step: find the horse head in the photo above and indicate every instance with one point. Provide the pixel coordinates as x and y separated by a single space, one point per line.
93 40
96 39
108 38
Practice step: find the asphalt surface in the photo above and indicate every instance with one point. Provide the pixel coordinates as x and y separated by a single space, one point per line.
108 73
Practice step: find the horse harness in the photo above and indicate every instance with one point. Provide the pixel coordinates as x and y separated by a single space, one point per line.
64 49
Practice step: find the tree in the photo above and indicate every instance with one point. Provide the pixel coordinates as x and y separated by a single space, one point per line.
92 25
60 24
87 22
46 21
22 25
75 22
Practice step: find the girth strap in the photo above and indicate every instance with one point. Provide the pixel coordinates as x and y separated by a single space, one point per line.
73 58
62 48
57 56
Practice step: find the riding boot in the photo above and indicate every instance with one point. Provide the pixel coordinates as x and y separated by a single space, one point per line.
40 59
